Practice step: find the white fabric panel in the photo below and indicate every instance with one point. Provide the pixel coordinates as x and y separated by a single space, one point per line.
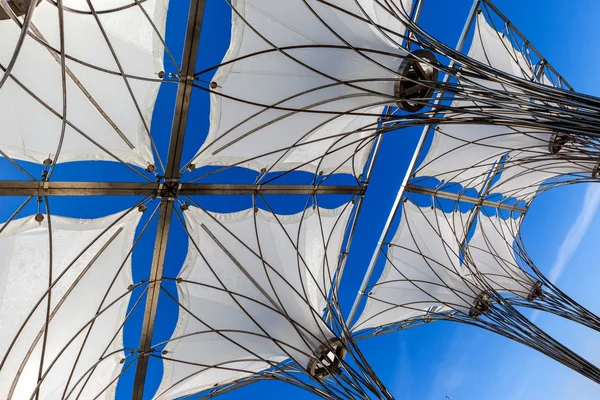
38 73
494 257
283 281
252 136
460 223
531 164
465 153
424 251
495 49
76 297
526 171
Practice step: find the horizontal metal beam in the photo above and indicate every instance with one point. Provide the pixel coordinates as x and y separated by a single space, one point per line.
192 189
465 199
32 188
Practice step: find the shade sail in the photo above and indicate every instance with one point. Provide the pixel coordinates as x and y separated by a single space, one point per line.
492 255
253 270
82 346
524 172
422 271
99 104
465 153
495 49
293 72
461 223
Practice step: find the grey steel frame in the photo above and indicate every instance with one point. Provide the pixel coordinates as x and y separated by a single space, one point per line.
180 117
162 189
479 201
169 188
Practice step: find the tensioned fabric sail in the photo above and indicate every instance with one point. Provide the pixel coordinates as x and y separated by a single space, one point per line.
460 223
81 348
99 104
524 172
253 289
492 254
422 271
289 79
465 153
525 169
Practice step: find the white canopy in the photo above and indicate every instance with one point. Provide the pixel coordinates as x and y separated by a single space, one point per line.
98 102
492 255
460 223
422 271
252 268
88 305
525 171
495 49
465 153
297 56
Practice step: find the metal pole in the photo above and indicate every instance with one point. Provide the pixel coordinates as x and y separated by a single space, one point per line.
479 201
57 189
411 168
180 117
415 17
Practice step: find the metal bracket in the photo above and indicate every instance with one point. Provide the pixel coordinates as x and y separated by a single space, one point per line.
169 190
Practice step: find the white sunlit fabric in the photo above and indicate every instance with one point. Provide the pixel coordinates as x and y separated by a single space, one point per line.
460 223
492 254
80 358
466 153
525 172
98 102
252 135
422 271
277 265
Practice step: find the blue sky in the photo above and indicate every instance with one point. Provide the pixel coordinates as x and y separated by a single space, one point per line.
432 361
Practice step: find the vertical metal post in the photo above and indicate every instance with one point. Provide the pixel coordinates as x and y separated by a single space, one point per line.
180 117
411 167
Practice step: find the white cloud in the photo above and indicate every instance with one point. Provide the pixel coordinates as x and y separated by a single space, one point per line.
578 230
